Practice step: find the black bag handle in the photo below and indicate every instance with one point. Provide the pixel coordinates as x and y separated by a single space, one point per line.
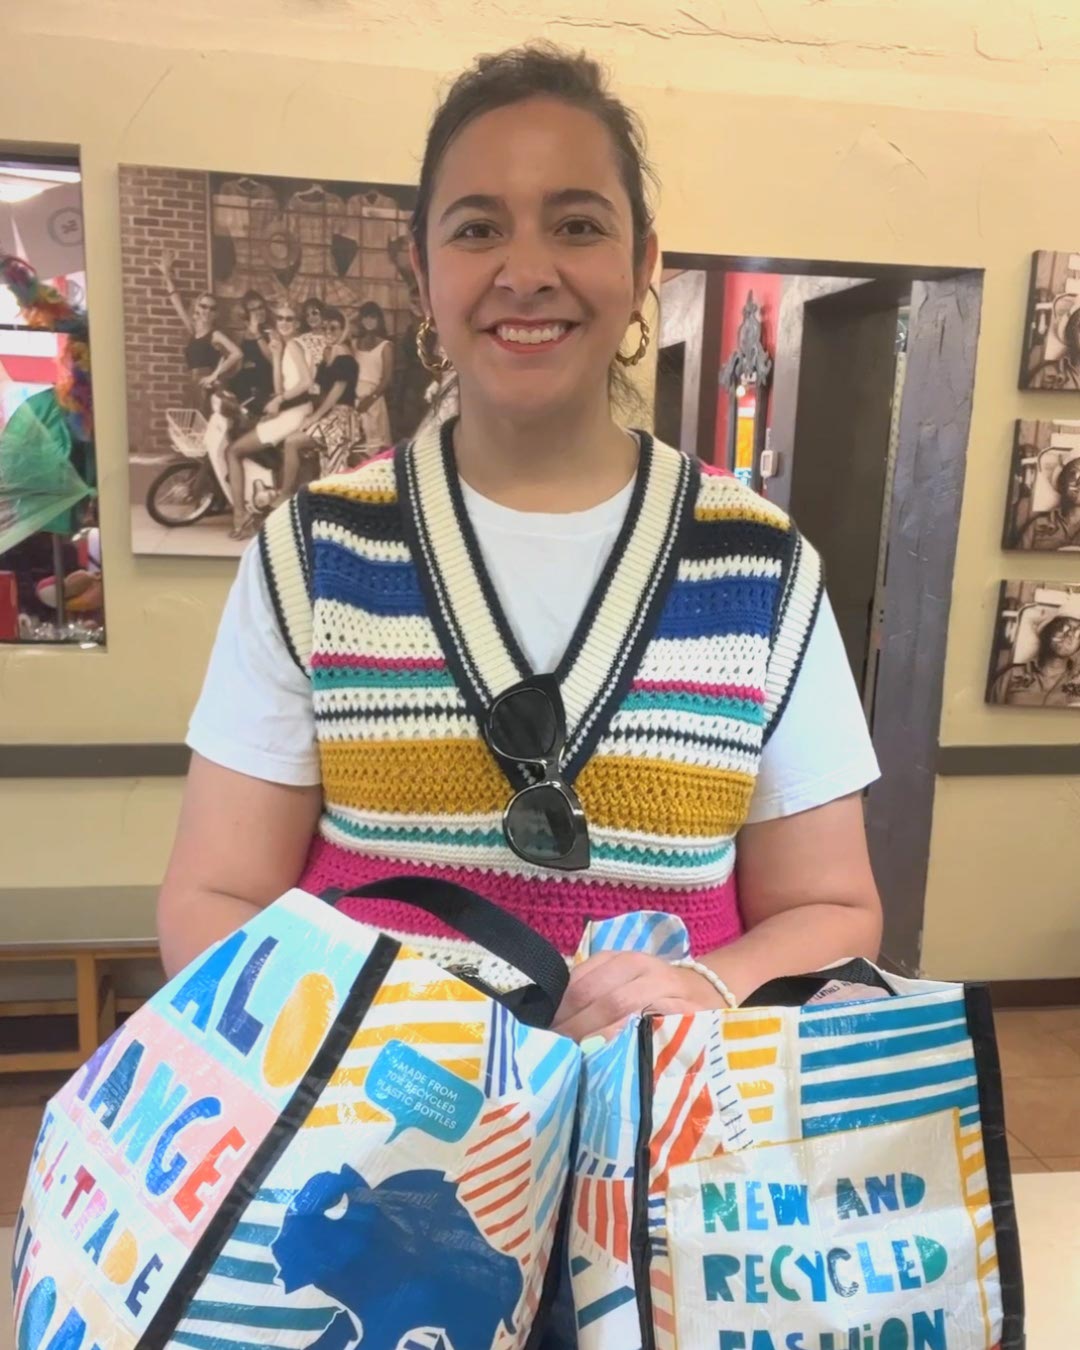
489 926
792 991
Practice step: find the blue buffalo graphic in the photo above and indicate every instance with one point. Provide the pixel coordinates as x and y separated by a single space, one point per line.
399 1256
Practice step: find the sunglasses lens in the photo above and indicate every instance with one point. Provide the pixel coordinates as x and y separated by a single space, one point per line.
523 726
540 824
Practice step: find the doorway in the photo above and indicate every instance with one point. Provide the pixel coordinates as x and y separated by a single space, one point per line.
864 420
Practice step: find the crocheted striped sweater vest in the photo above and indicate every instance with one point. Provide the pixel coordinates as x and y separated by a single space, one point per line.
673 681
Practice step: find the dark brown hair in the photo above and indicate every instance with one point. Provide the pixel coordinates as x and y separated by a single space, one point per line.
538 70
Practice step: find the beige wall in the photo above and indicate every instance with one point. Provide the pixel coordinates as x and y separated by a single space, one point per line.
918 132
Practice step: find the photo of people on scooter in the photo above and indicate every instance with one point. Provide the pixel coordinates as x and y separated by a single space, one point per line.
270 328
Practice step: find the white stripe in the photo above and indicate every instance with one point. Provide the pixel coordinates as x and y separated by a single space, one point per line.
392 636
737 659
666 722
375 550
710 569
420 700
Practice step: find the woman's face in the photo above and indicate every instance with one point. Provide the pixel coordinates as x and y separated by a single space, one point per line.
335 330
369 323
285 321
206 310
257 314
313 317
531 278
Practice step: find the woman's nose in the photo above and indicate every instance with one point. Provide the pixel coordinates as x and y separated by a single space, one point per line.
528 267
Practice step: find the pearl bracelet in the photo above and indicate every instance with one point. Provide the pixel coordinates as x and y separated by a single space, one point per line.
688 963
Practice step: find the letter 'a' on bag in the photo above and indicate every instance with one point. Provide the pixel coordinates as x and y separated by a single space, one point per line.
311 1139
825 1169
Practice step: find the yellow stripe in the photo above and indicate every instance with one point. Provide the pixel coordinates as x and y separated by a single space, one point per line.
621 792
986 1231
757 1087
979 1199
342 487
413 777
468 1069
760 1115
346 1113
738 1029
973 1208
741 512
438 991
752 1059
420 1034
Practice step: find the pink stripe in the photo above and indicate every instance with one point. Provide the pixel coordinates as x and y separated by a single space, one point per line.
378 662
715 470
556 908
688 687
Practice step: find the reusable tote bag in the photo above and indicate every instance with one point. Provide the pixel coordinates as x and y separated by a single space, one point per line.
309 1138
831 1176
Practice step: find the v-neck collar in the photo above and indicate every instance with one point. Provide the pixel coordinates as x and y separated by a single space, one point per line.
610 637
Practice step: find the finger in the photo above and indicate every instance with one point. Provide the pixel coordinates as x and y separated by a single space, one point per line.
611 1008
596 977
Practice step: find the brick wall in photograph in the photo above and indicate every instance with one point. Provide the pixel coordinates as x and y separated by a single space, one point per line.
161 210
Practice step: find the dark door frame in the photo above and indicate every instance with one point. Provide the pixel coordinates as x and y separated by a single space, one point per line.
923 526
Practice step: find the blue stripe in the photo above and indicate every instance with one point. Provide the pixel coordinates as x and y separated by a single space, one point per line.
720 607
675 942
561 1050
889 1018
378 587
262 1233
886 1047
271 1196
880 1085
705 705
578 1264
566 1107
199 1341
271 1319
593 1311
912 1109
254 1272
969 1118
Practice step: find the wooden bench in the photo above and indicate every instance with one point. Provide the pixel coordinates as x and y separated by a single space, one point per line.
92 938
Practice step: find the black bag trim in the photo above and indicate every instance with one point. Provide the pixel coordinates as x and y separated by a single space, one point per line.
353 1010
792 991
980 1021
640 1249
489 926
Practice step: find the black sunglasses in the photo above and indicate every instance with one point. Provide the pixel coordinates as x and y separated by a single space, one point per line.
543 823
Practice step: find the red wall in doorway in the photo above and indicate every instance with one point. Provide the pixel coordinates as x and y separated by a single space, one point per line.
767 288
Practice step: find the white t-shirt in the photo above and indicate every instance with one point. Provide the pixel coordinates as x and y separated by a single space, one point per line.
255 713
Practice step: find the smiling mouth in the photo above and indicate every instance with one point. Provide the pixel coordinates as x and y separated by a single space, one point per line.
529 336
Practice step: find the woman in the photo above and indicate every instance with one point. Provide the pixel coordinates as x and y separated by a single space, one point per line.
1052 679
375 357
312 335
332 428
209 355
714 736
253 383
1059 527
285 412
1063 373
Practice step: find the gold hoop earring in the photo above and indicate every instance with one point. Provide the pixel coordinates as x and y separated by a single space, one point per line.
434 365
643 342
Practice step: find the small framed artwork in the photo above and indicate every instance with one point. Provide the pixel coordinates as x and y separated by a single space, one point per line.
1035 661
1051 358
1042 514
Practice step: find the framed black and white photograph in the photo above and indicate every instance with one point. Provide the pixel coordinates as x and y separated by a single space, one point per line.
1042 514
1051 358
1035 661
270 328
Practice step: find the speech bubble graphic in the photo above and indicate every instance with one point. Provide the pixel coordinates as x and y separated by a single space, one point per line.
421 1094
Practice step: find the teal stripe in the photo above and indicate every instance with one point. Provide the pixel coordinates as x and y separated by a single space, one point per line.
884 1048
741 709
881 1084
344 677
269 1319
664 855
911 1109
198 1341
270 1196
879 1016
254 1272
262 1233
604 1305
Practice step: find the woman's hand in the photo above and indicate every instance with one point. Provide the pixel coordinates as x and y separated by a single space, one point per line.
208 381
363 404
272 407
610 987
165 265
